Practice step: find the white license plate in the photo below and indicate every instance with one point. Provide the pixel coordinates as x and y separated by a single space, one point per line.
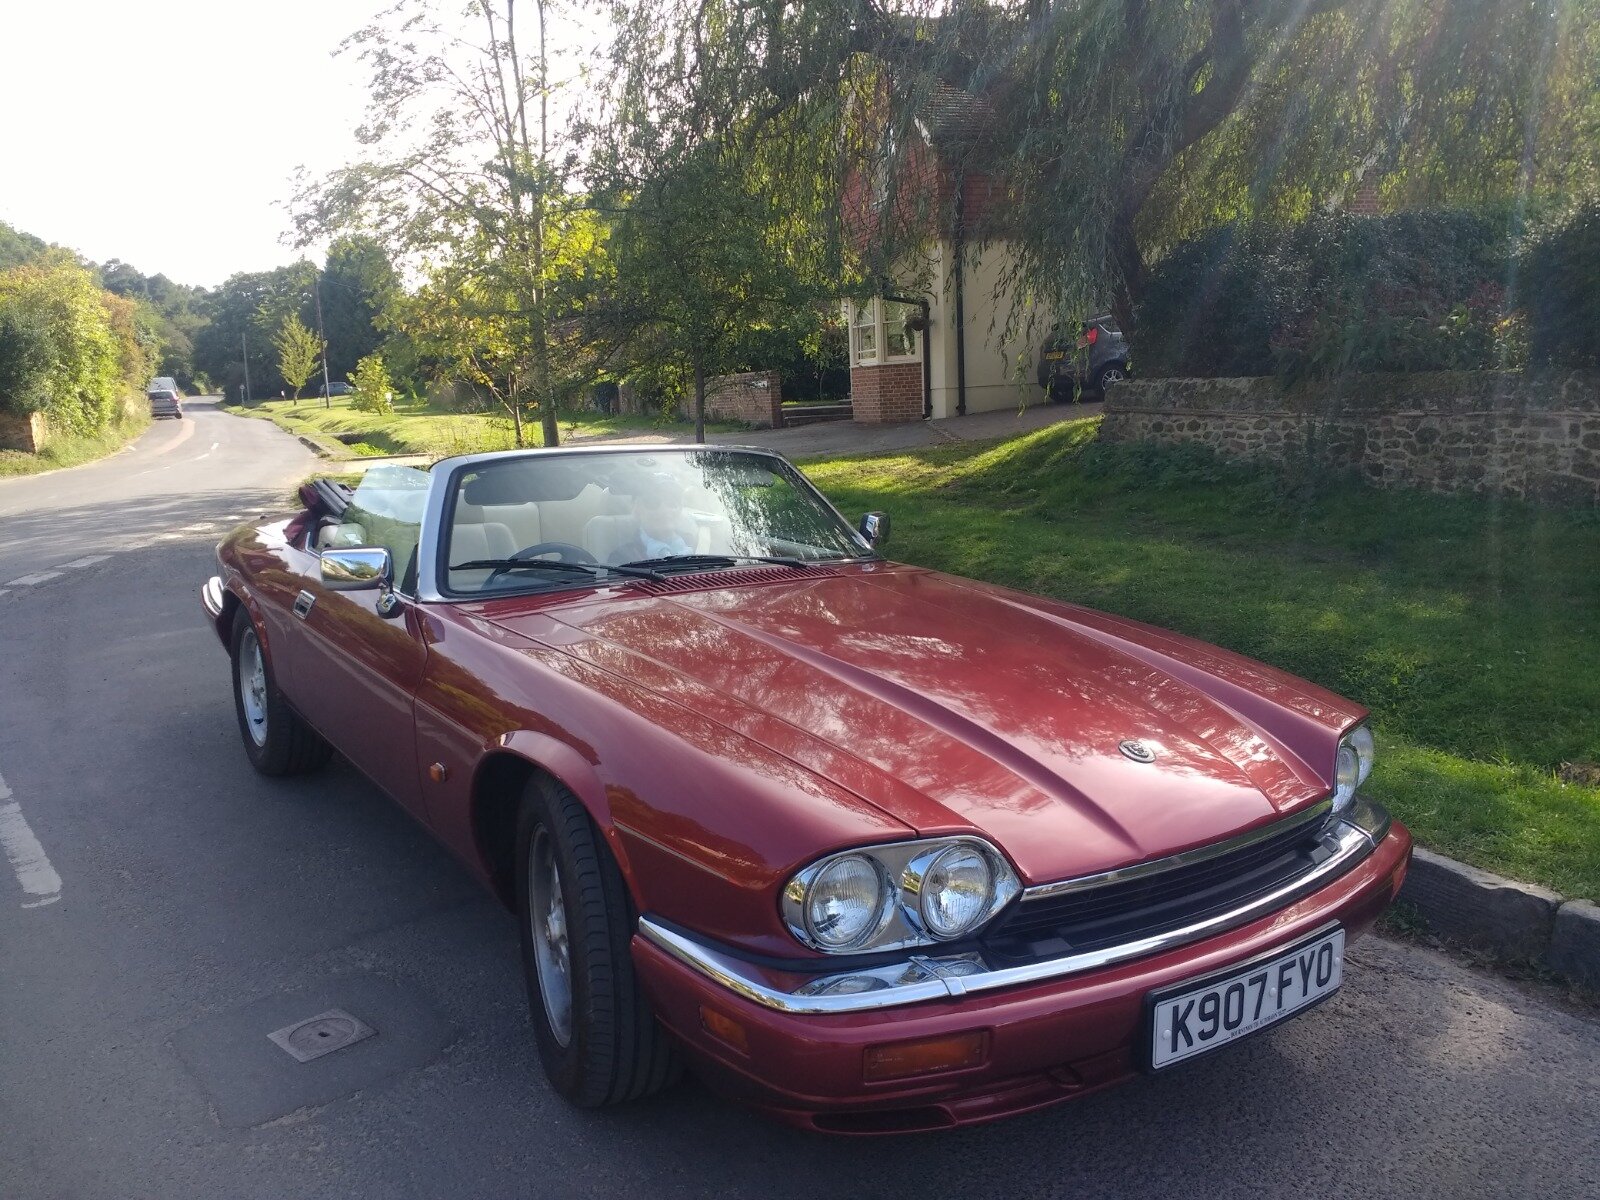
1195 1018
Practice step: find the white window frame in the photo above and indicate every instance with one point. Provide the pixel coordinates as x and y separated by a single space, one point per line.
880 355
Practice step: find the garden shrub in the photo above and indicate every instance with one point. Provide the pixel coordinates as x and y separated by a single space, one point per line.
1560 286
1419 291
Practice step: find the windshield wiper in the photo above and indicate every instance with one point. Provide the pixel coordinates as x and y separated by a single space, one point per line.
552 564
718 560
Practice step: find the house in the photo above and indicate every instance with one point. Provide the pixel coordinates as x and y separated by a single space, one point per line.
932 341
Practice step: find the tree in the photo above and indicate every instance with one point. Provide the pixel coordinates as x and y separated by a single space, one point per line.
464 172
373 390
357 281
299 352
1115 127
707 259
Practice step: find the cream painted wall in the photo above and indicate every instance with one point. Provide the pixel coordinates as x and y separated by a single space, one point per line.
992 366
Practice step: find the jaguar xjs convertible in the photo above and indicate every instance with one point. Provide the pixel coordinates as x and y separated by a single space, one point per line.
871 847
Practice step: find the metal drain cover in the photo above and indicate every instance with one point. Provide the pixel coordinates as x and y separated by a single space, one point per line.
321 1034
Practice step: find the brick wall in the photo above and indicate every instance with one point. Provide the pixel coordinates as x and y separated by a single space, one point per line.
887 394
754 397
1534 435
19 432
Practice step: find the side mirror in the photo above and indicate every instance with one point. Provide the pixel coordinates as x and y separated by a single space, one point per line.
875 528
357 568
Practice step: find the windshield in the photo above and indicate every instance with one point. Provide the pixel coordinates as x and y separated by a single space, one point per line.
665 511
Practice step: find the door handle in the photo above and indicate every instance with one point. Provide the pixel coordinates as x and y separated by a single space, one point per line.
302 605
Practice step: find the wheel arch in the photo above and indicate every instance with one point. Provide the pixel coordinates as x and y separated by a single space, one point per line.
498 781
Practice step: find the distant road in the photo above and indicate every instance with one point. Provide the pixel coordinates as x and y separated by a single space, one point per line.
197 467
163 909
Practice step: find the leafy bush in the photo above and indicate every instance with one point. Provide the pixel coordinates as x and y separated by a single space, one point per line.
1422 291
93 352
1560 286
373 391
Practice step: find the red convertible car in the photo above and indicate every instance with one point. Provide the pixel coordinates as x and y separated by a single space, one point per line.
872 847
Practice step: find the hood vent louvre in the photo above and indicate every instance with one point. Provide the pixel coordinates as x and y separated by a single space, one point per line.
721 577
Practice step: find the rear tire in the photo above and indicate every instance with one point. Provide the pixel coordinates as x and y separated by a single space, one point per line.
276 739
1109 374
598 1041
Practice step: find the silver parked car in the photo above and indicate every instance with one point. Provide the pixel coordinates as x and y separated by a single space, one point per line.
1086 365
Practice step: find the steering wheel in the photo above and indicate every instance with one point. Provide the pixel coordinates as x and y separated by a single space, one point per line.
564 552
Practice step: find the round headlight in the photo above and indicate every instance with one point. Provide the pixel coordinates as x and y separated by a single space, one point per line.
844 904
1360 739
956 892
1351 766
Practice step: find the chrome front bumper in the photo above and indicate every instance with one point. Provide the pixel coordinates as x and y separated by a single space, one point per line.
921 977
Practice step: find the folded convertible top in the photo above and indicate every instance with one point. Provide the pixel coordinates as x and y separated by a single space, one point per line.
326 497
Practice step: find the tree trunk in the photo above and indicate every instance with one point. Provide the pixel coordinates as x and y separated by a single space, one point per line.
699 400
516 420
1129 261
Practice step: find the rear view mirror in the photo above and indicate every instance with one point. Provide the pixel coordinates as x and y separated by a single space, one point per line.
875 528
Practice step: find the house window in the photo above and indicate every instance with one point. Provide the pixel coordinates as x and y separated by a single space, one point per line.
864 332
899 341
878 333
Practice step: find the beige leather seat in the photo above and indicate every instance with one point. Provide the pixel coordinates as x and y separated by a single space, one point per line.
603 535
568 520
341 537
488 539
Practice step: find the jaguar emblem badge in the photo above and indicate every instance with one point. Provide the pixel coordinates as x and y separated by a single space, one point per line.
1137 750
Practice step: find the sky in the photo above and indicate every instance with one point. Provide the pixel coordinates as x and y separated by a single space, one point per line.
165 132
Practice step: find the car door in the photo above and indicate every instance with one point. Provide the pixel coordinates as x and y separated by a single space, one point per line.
356 672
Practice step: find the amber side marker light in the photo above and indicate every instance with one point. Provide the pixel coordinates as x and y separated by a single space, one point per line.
926 1056
724 1029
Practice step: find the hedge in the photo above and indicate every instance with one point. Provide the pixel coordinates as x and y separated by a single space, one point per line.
1416 291
1560 289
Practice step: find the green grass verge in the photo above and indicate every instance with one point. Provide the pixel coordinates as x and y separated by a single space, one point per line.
1471 627
436 432
73 450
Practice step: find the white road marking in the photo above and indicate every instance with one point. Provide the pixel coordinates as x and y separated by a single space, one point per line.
88 560
36 577
34 872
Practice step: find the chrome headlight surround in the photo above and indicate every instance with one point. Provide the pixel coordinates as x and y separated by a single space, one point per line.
1352 763
908 916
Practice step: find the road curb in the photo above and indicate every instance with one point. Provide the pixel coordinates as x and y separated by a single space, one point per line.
1574 949
1507 918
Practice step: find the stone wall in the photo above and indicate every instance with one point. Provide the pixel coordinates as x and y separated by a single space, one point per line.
886 395
1534 435
22 432
754 397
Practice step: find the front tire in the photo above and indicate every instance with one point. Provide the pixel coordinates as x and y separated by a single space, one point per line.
276 740
598 1041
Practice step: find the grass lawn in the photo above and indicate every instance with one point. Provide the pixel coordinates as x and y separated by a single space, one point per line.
437 432
73 450
1471 627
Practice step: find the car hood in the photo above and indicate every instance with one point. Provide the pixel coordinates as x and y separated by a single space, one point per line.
956 706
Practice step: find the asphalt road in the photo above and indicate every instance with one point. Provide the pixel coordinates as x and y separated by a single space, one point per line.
162 909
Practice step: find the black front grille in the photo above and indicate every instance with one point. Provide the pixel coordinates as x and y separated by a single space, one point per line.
1115 913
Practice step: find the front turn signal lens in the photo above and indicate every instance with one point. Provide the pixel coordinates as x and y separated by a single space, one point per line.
724 1028
926 1056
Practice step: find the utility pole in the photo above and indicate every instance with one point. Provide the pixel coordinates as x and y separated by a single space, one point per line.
244 348
316 292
